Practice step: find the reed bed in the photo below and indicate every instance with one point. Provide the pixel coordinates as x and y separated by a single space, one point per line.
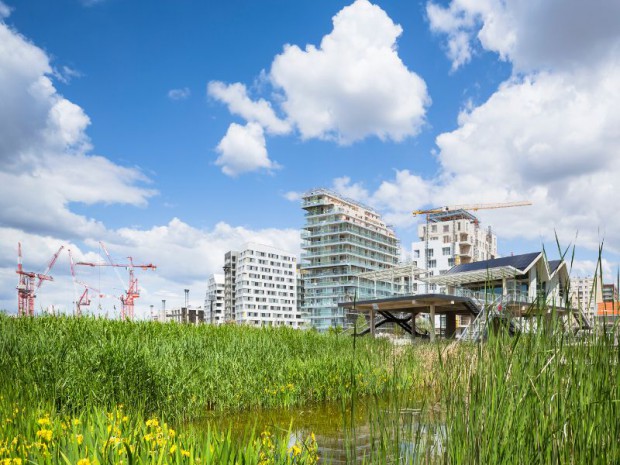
180 371
549 396
544 397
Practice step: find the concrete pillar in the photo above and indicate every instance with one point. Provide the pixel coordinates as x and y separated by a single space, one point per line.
450 325
372 321
412 324
432 335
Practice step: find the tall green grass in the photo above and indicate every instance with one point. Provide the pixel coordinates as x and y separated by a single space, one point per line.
538 398
181 371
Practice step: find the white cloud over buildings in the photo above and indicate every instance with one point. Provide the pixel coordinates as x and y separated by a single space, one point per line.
243 150
352 86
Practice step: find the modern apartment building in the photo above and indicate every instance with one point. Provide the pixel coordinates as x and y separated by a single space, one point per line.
230 277
610 293
266 287
451 238
447 239
585 294
214 300
341 238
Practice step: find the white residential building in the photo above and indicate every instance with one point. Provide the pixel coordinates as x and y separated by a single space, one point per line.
266 287
341 239
230 278
453 238
585 294
214 300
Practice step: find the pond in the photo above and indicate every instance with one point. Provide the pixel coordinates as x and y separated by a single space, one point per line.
377 432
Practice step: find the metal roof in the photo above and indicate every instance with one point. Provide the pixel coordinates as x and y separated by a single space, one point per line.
520 262
553 265
474 276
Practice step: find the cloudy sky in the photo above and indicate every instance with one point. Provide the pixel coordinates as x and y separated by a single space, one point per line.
176 130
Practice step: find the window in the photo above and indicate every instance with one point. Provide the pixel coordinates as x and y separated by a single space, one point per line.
434 228
445 251
432 263
446 228
446 239
416 254
429 253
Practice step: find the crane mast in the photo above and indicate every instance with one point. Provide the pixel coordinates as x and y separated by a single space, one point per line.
29 283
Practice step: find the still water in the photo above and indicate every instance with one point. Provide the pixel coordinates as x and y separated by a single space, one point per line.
375 433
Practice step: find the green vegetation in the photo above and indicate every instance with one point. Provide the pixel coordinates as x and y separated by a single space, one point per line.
179 371
546 397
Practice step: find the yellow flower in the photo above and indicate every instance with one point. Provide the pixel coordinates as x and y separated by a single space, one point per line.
125 419
75 421
79 439
171 433
17 461
173 448
149 437
85 461
45 434
152 422
185 453
44 421
296 450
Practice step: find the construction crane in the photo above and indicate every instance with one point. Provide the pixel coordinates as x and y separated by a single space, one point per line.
472 207
29 283
84 299
443 211
132 292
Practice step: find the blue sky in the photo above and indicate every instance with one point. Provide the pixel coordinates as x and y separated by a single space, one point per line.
174 131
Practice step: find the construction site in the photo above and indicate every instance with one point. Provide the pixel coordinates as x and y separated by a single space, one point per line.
30 283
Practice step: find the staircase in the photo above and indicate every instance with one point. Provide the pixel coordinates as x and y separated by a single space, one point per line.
478 329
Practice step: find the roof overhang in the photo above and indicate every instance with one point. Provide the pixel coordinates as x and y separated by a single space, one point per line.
417 303
475 276
390 274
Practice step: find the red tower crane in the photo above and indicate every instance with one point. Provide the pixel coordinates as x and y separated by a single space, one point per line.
132 292
84 299
29 283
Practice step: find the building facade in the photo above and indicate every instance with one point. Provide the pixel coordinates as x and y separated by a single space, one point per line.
449 239
230 278
214 300
266 287
585 294
341 238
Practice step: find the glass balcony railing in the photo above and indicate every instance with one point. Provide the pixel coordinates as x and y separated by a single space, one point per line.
378 238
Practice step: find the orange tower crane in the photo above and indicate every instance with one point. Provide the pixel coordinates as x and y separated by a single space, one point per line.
132 292
29 283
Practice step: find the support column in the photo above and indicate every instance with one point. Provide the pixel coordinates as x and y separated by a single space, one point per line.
450 325
372 321
432 335
412 324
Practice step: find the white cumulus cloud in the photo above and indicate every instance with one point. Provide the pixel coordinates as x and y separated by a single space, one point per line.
239 103
179 94
243 150
353 85
531 34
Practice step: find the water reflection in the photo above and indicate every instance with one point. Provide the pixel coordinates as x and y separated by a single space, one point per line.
376 432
